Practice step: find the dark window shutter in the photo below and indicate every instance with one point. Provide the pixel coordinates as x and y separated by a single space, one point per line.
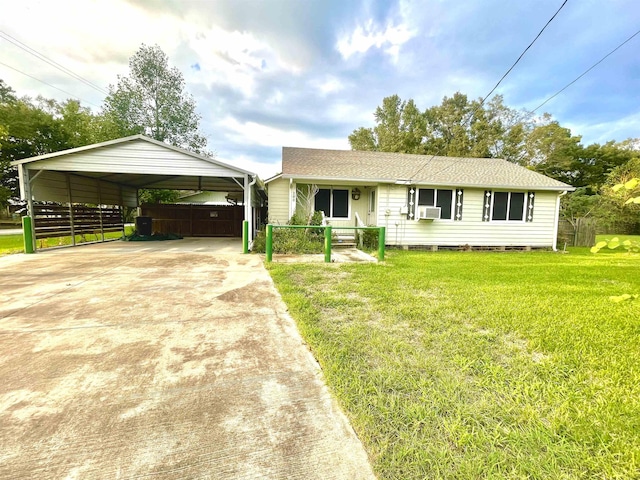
486 207
411 203
531 197
458 200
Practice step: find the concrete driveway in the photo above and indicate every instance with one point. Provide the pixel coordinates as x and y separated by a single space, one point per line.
160 360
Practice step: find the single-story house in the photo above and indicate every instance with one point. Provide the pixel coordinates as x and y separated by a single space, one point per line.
422 200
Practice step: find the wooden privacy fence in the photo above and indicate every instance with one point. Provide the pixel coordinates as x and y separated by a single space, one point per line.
70 220
195 220
582 234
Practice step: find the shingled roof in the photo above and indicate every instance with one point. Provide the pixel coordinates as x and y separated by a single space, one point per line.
384 167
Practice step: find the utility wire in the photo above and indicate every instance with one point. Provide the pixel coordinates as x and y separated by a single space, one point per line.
52 86
585 72
525 51
475 110
51 62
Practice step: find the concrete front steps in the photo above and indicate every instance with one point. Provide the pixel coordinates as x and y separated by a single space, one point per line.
344 241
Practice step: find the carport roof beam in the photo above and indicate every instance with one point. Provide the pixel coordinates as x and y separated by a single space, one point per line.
163 179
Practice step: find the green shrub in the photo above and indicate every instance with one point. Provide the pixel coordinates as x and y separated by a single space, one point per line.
370 239
260 242
294 240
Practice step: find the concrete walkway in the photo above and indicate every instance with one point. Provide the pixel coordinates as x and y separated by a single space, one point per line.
160 360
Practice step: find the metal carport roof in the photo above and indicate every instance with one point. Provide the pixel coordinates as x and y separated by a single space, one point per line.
111 173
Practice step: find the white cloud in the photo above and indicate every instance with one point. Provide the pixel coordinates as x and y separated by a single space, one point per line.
329 84
247 162
266 136
619 130
369 35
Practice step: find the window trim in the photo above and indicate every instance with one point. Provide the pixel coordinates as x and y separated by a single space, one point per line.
509 192
331 189
454 201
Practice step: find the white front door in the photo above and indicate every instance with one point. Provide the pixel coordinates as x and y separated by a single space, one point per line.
371 214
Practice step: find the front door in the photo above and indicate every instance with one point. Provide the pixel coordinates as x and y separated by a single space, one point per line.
372 218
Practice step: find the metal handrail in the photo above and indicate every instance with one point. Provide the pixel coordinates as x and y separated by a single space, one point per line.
327 239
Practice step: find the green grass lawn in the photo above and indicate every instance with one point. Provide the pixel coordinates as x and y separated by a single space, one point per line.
15 244
472 365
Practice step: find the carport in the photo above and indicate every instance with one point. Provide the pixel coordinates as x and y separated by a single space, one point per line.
87 187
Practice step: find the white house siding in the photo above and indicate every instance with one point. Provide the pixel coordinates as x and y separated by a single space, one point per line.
278 194
52 186
137 156
471 230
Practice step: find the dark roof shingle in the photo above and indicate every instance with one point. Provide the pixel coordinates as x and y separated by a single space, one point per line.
419 169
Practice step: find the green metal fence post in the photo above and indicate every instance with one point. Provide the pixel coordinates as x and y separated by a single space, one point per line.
381 241
327 244
245 236
269 243
27 234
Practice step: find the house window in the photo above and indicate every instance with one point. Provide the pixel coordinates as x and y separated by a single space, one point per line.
431 197
334 202
508 206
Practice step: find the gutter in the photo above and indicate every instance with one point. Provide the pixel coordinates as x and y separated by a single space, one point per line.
557 218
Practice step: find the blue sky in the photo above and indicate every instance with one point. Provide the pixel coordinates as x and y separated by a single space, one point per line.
307 73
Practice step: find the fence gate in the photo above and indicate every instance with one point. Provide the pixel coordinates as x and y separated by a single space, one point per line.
196 220
582 234
52 221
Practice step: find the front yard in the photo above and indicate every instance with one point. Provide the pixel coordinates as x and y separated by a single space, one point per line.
15 243
480 365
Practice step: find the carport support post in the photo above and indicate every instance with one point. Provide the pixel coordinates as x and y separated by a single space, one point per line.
327 244
269 243
27 234
381 242
245 236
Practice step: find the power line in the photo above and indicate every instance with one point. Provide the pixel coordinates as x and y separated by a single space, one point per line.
475 110
585 72
51 62
525 51
52 86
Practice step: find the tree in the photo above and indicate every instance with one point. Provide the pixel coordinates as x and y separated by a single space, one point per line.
27 131
400 128
456 127
579 204
305 200
152 100
596 162
551 149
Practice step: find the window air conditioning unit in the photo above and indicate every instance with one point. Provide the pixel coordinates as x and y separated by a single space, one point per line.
428 213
